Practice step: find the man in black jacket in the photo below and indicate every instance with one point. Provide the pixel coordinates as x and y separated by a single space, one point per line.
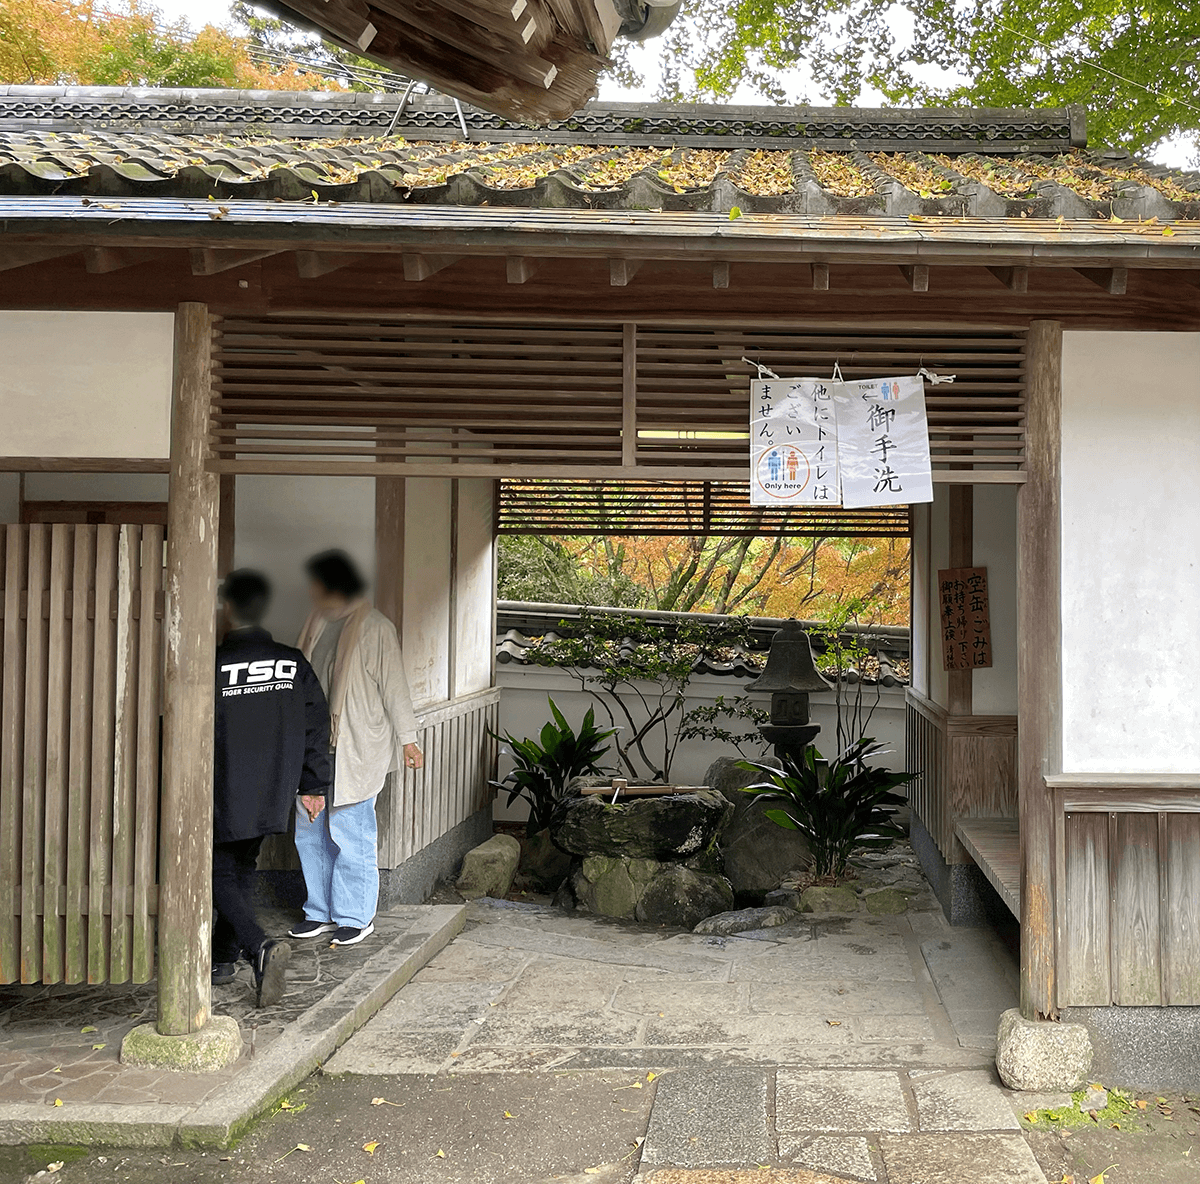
272 744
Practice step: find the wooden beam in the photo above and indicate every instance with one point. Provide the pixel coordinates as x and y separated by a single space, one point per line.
916 275
720 275
629 416
389 548
962 550
1016 279
226 531
1039 663
186 827
621 271
1114 280
421 267
347 19
520 269
820 277
11 257
311 265
212 260
102 260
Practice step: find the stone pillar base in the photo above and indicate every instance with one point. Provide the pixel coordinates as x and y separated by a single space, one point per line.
1040 1055
217 1045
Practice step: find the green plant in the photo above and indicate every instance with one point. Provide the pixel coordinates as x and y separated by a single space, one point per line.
546 766
638 670
838 809
705 722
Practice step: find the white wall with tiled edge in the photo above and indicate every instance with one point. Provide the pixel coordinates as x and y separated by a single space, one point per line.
1130 552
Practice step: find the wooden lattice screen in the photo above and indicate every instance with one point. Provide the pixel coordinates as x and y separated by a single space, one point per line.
679 508
79 751
378 395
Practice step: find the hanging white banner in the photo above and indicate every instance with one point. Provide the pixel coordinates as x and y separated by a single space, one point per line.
883 442
793 442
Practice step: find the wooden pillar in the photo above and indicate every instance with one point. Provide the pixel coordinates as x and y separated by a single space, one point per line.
389 548
962 552
1039 664
185 834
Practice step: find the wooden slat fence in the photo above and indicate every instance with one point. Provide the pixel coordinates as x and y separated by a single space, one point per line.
419 807
80 692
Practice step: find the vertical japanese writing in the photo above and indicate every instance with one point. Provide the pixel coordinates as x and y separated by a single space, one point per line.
965 619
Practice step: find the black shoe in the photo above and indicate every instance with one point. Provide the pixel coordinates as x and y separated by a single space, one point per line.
269 962
347 935
311 928
223 972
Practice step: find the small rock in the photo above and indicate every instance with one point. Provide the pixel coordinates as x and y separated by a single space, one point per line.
822 899
743 920
1041 1055
488 870
784 898
886 902
1096 1098
681 897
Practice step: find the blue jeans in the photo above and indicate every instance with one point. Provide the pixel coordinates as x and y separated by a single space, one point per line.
341 869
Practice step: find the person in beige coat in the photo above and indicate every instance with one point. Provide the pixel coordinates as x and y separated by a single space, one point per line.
356 654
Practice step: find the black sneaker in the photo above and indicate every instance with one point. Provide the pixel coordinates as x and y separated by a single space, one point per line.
223 972
269 962
347 935
308 928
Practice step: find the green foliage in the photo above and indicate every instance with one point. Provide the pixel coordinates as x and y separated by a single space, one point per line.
544 569
639 671
839 809
1135 67
705 722
546 766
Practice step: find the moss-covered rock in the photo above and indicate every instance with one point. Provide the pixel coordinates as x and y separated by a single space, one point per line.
828 899
216 1046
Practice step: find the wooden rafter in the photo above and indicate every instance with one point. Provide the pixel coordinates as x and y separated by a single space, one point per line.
11 257
421 267
916 275
1016 279
622 271
1114 280
520 269
311 265
212 261
102 260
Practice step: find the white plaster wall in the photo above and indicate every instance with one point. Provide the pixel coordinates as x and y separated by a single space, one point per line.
475 587
994 689
96 487
281 521
1130 547
85 384
523 712
426 637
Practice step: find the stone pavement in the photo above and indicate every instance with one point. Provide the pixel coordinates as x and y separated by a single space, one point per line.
61 1078
858 1046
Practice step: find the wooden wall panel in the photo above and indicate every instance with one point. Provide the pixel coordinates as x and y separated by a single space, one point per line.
79 750
1085 926
1180 846
1135 933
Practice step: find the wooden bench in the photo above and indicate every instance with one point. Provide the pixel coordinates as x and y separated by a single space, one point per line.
995 846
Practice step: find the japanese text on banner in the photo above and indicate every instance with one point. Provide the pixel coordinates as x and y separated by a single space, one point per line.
883 442
793 442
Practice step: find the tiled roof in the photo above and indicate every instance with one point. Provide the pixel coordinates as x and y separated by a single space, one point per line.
520 627
992 164
764 160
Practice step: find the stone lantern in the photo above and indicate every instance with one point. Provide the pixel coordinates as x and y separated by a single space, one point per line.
791 676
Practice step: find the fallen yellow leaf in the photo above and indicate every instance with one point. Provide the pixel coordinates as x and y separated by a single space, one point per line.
56 1166
441 1154
98 1047
369 1148
507 1115
834 1023
651 1076
58 1101
87 1029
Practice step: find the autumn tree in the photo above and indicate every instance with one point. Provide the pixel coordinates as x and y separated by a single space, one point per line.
91 43
1134 66
757 576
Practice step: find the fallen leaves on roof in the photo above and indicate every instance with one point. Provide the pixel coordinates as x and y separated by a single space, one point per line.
611 172
914 172
838 174
999 176
765 173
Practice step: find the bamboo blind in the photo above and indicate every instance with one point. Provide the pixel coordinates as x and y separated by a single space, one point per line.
678 508
79 752
320 394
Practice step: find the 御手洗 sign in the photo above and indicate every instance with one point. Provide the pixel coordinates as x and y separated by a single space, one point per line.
883 442
966 625
793 442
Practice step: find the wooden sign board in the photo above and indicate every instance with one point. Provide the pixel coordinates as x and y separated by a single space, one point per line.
966 622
